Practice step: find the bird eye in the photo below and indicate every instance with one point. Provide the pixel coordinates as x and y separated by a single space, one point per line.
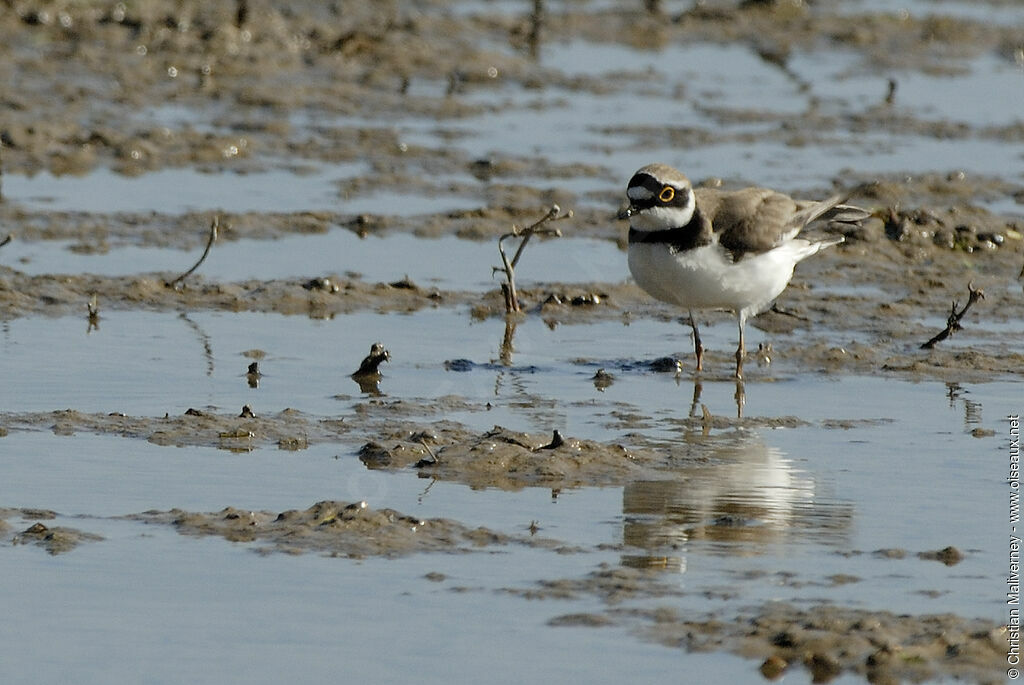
666 194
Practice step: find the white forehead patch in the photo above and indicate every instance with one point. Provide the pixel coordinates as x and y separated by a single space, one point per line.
639 193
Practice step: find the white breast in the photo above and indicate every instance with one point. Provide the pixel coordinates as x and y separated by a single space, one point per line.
706 277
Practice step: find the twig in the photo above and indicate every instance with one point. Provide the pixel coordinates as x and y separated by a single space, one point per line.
241 12
507 347
426 490
214 225
552 215
536 22
204 340
953 322
93 307
890 93
508 267
9 238
430 451
785 312
508 289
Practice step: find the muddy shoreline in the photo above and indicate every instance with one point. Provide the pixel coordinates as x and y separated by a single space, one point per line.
825 639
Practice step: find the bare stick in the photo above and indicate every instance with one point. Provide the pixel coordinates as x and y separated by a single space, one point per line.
241 12
508 288
890 94
9 238
785 312
93 307
214 225
536 22
507 347
429 451
953 322
552 215
508 266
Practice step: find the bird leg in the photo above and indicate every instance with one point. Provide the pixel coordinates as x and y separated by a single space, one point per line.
698 388
740 397
740 351
698 347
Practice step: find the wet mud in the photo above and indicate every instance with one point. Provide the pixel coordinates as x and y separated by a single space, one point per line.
828 641
367 60
881 330
401 436
242 432
346 529
54 539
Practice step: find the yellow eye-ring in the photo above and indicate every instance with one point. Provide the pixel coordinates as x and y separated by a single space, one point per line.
666 194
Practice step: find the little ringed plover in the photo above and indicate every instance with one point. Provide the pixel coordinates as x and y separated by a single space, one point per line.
713 249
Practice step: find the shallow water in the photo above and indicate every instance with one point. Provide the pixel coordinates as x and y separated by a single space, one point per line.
199 601
819 494
176 191
725 91
150 364
890 479
986 11
446 262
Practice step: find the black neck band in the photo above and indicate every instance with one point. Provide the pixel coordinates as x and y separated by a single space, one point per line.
682 238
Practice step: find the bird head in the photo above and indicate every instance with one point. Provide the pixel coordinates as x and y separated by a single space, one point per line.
660 198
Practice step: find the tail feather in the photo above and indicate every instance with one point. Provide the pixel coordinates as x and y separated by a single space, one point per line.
830 241
846 214
834 210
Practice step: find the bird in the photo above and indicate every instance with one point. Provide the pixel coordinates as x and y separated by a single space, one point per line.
708 248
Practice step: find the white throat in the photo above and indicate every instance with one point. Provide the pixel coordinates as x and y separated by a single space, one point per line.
661 218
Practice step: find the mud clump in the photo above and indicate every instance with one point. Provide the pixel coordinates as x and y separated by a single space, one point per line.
53 295
511 460
613 585
343 529
55 540
950 556
829 640
825 639
289 429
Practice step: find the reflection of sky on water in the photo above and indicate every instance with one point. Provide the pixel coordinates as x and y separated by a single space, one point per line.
733 101
446 262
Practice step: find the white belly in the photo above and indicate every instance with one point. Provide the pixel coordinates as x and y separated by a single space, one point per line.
705 278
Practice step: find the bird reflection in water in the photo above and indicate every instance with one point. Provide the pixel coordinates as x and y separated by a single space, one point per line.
745 496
